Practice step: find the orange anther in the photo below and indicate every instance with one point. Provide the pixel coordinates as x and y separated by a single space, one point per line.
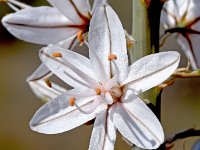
48 83
98 91
80 36
56 54
72 101
111 57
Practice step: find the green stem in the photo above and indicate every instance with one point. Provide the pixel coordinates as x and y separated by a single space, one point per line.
140 31
145 31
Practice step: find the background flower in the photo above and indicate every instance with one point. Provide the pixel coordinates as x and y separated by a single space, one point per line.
183 18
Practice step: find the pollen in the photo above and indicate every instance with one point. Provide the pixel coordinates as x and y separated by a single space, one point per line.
72 101
56 54
112 57
48 83
98 91
80 36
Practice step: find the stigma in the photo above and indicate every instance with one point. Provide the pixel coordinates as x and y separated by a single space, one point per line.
116 92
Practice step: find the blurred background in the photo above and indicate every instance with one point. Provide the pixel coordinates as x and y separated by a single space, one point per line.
18 59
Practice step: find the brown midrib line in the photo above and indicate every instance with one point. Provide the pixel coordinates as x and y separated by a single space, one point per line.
41 123
84 18
148 75
37 26
42 76
140 122
110 41
106 130
43 87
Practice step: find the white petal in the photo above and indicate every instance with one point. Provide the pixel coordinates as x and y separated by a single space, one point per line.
42 91
72 9
103 134
40 73
96 3
168 18
58 116
106 36
58 68
108 98
40 25
191 53
137 123
151 70
68 43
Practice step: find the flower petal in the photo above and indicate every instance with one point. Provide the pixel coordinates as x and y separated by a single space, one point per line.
96 3
103 134
62 71
106 36
42 91
191 51
137 123
40 73
40 25
58 116
72 9
151 70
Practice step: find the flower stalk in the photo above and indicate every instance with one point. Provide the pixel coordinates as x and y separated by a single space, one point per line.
140 31
145 31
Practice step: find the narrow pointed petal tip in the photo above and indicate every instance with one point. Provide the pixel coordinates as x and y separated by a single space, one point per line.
151 70
58 116
40 25
103 134
137 123
40 73
107 38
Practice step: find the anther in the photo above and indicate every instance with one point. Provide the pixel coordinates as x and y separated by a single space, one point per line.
98 91
56 54
80 36
48 83
72 101
112 57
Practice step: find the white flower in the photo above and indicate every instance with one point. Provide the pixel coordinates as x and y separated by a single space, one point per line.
105 88
50 25
183 17
62 24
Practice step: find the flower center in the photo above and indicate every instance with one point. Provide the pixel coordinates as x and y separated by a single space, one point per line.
116 93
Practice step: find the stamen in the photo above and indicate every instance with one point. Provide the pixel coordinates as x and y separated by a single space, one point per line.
72 101
56 54
98 91
112 57
48 83
92 107
80 94
80 36
84 76
57 88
